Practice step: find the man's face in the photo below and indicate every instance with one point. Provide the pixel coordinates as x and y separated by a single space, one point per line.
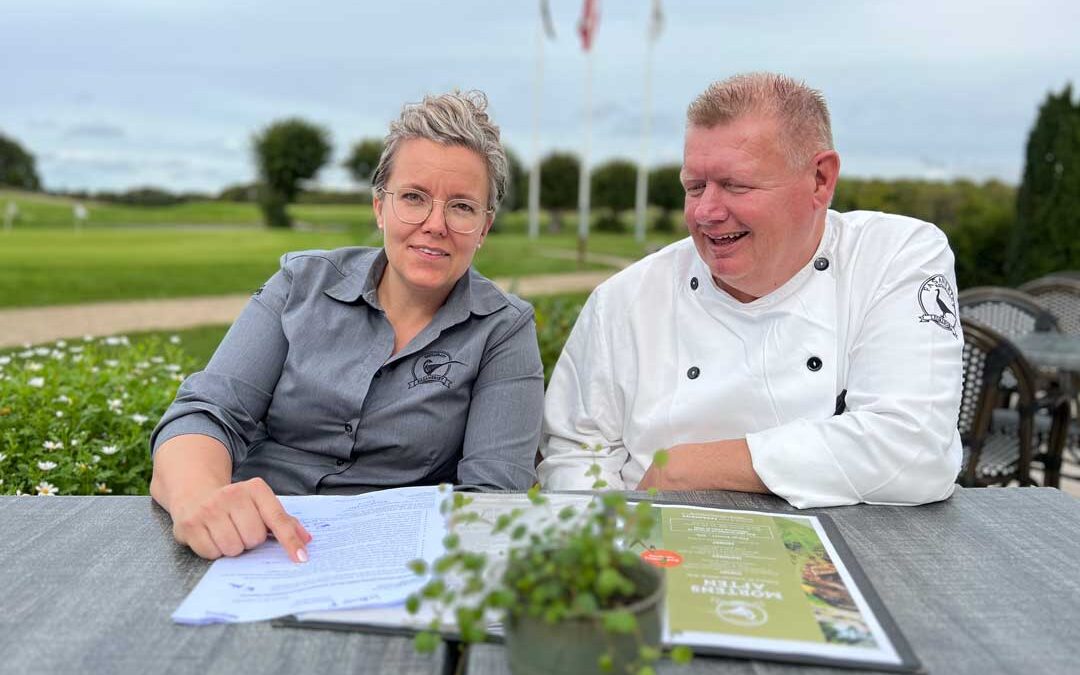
754 219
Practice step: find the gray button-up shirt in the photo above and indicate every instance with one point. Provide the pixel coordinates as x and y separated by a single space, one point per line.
304 392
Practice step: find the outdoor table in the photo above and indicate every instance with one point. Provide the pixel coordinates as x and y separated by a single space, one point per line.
985 582
1051 350
87 585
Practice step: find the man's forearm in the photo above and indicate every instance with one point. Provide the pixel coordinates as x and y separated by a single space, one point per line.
716 465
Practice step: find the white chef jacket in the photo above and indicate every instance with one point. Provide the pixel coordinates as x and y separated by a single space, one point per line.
662 356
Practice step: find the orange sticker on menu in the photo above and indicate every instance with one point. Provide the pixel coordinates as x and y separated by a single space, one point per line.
659 557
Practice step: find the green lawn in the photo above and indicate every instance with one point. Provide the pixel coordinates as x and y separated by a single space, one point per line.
172 252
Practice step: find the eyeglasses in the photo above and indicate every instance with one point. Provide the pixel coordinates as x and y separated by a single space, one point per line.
463 216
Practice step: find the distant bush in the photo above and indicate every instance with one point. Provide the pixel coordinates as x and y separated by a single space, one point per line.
555 316
75 418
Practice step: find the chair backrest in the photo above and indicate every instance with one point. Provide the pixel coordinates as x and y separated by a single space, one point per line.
988 359
1061 296
1012 313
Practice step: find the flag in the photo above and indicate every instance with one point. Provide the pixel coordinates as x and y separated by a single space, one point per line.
590 19
656 20
545 16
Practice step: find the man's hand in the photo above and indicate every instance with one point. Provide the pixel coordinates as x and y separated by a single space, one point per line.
231 519
717 465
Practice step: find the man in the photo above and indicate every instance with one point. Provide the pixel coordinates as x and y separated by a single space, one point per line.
783 347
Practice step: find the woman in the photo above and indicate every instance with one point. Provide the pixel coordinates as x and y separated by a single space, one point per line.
365 368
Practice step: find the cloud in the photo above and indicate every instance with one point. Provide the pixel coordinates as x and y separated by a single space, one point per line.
100 131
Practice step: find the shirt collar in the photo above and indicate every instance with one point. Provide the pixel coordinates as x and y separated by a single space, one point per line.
473 293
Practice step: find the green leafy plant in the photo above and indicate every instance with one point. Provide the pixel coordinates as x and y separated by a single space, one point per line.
75 417
567 563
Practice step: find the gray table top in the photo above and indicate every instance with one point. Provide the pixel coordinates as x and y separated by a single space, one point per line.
986 582
1052 350
87 585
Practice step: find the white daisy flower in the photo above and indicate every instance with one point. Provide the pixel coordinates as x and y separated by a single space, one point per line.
77 358
46 489
63 399
53 445
77 349
110 450
46 466
33 366
175 339
95 458
139 419
4 360
74 442
37 382
59 413
2 456
42 351
111 363
142 364
157 359
26 354
61 344
172 368
103 488
114 403
112 341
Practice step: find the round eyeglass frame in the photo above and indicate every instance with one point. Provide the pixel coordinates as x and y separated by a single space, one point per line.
431 207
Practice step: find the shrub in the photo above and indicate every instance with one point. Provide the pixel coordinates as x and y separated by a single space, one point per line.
75 418
555 316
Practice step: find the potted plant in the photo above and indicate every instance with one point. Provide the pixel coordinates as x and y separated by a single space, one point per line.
573 593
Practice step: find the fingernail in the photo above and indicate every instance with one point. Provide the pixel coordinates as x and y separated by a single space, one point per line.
301 555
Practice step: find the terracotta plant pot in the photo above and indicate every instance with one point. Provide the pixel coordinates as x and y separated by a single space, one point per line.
574 646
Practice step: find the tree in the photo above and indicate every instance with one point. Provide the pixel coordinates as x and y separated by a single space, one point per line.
666 192
517 184
613 186
559 173
287 152
17 166
363 159
1046 237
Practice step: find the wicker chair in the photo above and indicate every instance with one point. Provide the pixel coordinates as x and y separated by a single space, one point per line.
1059 293
996 454
1061 296
1012 313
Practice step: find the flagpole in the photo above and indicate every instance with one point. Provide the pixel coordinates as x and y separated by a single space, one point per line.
583 182
534 174
642 195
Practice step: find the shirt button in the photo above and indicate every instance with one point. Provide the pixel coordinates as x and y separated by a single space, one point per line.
813 363
348 428
821 264
693 372
693 283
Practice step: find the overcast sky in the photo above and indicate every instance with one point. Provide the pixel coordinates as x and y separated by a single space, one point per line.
116 93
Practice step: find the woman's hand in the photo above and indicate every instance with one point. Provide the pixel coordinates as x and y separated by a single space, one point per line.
234 518
210 514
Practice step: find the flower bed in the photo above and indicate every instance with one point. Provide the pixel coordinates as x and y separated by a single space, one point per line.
75 417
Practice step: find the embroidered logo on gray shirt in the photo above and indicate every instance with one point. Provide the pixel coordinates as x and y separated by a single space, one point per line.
433 367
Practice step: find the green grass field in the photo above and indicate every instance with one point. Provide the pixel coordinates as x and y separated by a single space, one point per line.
173 252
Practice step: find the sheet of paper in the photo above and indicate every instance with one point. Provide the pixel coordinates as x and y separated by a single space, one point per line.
476 537
359 552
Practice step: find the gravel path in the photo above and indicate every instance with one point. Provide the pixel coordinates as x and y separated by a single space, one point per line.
44 324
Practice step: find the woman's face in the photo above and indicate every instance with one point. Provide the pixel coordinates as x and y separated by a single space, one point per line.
429 257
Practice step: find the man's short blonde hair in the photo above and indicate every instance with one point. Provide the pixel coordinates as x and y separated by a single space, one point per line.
800 111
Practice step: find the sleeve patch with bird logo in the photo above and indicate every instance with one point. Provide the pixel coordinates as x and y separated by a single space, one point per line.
938 303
